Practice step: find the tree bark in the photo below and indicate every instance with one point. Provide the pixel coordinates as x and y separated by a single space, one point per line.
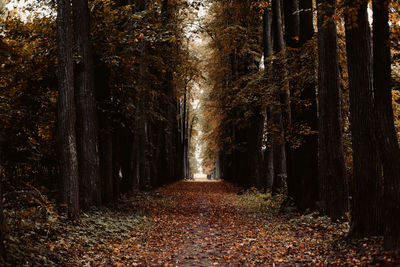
268 51
333 188
67 154
267 38
106 160
367 181
277 30
306 21
279 155
172 131
291 17
292 27
254 149
105 133
305 157
89 171
281 111
389 146
184 132
116 161
2 233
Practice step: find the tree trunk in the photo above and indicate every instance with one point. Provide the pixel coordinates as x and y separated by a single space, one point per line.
277 30
333 188
268 51
177 145
67 154
279 154
116 160
103 97
291 16
389 146
141 148
140 143
2 142
267 38
135 150
186 137
305 157
306 21
255 132
166 159
172 131
280 107
367 181
126 157
89 171
184 132
269 152
106 159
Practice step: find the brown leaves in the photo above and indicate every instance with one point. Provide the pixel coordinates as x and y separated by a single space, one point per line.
195 224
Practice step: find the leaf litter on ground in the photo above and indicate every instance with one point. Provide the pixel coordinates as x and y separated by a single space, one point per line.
183 224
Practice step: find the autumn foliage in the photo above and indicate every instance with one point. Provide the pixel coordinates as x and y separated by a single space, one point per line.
294 104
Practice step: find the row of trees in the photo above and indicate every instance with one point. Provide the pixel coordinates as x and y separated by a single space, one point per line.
317 139
106 78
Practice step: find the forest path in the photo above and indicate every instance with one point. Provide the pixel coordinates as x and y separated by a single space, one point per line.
192 224
200 227
209 224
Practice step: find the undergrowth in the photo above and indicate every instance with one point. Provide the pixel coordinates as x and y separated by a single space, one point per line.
254 201
37 234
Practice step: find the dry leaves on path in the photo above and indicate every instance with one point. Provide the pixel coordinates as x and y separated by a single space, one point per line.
195 224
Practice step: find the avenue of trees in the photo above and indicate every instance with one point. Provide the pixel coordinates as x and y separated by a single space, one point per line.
299 97
92 99
314 121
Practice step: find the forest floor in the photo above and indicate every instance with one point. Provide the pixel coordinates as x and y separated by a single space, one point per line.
185 224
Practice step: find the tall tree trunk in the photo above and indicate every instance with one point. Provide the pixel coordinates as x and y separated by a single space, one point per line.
172 131
367 181
140 116
2 143
218 164
105 133
184 132
148 154
116 161
333 187
141 147
267 38
67 154
126 157
177 145
389 146
269 151
306 21
305 157
277 24
135 150
254 140
291 17
292 28
89 171
280 108
268 51
166 157
279 154
106 160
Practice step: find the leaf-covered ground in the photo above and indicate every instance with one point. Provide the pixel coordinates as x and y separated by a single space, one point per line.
187 224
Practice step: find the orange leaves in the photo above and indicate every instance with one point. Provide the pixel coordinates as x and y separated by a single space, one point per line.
198 224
